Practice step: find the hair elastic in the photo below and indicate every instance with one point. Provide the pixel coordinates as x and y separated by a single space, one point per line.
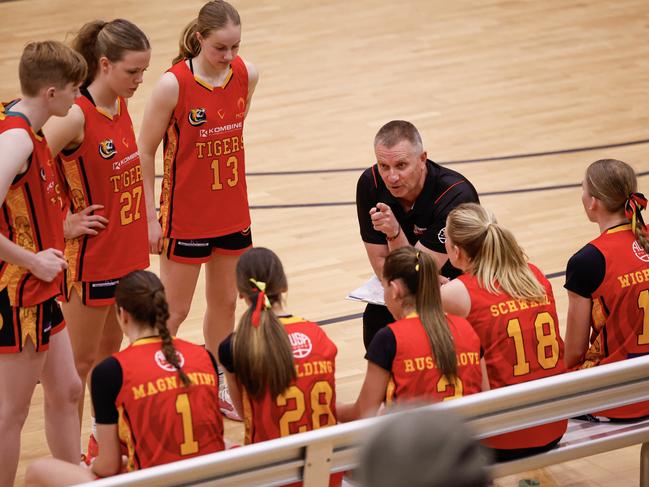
635 203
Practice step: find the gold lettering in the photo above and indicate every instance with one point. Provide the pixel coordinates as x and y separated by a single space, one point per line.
235 144
511 304
522 304
624 281
171 382
494 310
200 146
502 308
151 390
115 181
408 364
138 392
161 385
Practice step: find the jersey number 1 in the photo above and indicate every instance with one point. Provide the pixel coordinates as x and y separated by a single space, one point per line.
189 445
232 181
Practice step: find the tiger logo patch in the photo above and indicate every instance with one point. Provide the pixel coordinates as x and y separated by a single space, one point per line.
197 116
107 149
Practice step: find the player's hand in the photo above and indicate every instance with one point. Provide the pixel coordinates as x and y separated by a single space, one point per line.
384 220
84 223
442 279
155 237
47 264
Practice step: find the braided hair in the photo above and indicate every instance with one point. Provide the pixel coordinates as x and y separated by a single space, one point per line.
142 294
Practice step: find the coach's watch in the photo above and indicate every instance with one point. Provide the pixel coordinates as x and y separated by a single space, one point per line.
390 239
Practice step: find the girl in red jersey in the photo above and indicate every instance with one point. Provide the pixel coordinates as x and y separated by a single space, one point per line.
34 343
106 235
158 398
426 355
199 107
607 279
280 368
510 305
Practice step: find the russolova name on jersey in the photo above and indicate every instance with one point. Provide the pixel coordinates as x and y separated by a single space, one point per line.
197 116
107 149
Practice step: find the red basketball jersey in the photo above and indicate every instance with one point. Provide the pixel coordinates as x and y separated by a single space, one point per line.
623 300
105 169
521 342
32 216
415 376
160 420
310 402
204 192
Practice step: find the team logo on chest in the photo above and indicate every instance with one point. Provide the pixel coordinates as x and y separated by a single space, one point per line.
161 361
301 344
197 116
107 149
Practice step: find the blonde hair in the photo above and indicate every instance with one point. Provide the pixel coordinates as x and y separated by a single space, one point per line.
214 15
261 352
613 182
497 260
49 63
110 39
418 272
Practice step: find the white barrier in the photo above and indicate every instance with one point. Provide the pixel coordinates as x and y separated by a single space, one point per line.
310 456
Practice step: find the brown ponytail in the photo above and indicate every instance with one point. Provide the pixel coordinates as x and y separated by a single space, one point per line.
418 271
214 15
614 183
142 295
261 352
112 39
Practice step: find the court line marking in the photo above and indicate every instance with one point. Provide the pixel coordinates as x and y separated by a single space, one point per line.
459 161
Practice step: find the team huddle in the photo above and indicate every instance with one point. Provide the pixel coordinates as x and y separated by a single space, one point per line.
465 311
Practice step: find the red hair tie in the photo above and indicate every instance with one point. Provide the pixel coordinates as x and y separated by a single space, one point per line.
635 203
259 305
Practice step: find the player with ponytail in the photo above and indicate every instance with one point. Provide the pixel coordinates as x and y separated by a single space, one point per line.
426 355
274 360
510 305
607 279
105 230
199 107
157 399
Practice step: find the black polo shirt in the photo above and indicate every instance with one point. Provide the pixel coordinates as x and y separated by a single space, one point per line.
443 190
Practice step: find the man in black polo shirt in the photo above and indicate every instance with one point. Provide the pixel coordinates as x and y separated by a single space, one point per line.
404 200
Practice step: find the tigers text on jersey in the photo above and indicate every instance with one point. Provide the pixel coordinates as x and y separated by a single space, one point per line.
32 216
105 169
204 192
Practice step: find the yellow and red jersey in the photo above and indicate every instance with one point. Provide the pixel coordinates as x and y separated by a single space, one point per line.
521 342
204 192
310 401
621 303
32 215
415 376
105 169
160 420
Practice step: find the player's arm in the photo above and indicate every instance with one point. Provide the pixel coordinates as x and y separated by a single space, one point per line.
15 148
584 273
577 329
455 298
157 114
485 376
65 132
253 79
370 398
106 382
109 460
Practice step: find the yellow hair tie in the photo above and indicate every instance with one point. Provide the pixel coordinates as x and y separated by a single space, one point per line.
261 286
417 264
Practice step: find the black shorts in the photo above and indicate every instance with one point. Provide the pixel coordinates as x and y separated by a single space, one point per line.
199 250
37 323
93 293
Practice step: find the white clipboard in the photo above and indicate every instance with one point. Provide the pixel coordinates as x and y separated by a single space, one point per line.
370 292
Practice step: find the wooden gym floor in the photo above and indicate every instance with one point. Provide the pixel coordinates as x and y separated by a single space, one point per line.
518 96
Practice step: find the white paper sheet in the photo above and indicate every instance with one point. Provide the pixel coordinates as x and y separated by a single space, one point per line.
370 292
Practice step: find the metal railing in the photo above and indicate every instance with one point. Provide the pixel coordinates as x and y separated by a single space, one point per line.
311 456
